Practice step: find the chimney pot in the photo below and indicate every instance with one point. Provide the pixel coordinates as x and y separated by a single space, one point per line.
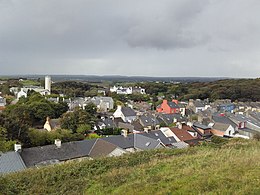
124 133
58 143
17 147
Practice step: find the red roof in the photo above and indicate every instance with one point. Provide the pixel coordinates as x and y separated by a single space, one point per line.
187 128
182 134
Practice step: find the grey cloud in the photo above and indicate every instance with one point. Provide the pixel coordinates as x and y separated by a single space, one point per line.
130 37
168 27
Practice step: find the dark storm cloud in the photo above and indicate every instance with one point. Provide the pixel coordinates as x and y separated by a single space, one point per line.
158 38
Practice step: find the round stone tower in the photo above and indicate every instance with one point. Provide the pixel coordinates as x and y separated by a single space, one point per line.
48 83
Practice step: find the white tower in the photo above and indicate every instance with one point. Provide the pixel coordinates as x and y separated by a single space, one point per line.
48 83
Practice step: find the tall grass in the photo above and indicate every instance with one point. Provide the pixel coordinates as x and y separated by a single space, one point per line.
232 168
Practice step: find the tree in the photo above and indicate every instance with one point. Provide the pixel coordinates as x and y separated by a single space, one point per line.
83 129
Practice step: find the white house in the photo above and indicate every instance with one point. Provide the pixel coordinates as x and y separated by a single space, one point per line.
2 102
221 129
21 93
125 113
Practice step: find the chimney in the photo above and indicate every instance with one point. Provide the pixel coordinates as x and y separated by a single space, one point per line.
17 147
175 101
124 132
119 107
58 143
179 125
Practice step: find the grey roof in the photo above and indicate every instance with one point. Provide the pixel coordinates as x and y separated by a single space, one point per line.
173 105
137 125
180 145
181 105
101 148
201 126
238 118
2 100
146 143
198 104
148 120
108 122
67 151
118 120
11 162
121 141
128 111
98 99
223 119
128 126
55 123
157 134
167 118
255 115
221 126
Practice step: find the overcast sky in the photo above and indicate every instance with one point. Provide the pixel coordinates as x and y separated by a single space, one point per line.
130 37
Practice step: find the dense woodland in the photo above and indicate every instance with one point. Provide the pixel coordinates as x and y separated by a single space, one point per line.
18 122
234 89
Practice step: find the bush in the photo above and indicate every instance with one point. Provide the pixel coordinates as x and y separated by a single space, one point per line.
218 141
257 136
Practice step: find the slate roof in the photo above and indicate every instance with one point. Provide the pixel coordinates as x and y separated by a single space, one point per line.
2 100
101 148
180 145
135 141
128 126
198 104
55 123
198 125
108 122
200 134
221 126
146 143
128 111
67 151
223 119
137 125
173 105
118 120
148 120
157 134
121 141
11 162
167 118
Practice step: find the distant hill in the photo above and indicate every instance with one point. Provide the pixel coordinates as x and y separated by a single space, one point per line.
234 89
118 78
232 168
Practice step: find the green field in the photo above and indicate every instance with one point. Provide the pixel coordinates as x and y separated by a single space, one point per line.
30 83
232 168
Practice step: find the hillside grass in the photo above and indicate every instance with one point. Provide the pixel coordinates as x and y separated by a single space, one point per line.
228 168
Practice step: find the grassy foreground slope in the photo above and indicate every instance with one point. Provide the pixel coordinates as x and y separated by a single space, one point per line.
233 168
